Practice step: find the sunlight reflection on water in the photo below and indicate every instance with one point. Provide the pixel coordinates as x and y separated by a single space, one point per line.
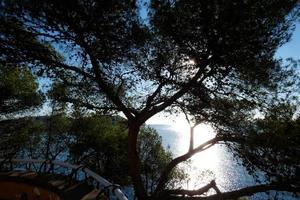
214 163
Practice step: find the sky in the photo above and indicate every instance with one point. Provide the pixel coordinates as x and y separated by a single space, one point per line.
292 48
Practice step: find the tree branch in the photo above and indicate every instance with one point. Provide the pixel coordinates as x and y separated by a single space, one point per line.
87 105
146 114
192 127
105 87
72 68
190 193
153 95
247 191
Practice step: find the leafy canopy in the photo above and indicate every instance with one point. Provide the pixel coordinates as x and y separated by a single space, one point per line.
210 59
19 90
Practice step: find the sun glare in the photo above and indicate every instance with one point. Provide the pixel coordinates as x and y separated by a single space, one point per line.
204 163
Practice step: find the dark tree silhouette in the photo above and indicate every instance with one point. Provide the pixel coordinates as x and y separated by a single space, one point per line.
188 55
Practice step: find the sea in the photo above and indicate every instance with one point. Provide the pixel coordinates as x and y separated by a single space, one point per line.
216 163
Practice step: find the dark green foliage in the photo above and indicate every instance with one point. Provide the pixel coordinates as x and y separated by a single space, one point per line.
17 134
18 90
233 42
99 142
237 36
154 159
36 137
272 145
96 141
55 138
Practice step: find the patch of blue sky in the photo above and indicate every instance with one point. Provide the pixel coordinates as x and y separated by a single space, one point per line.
291 48
143 6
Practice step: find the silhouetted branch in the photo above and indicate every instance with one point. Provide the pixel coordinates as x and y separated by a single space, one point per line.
87 105
199 191
247 191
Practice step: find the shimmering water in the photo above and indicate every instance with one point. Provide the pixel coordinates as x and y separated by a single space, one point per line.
214 163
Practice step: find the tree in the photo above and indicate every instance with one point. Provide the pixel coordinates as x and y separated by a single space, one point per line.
189 54
16 134
19 90
95 141
276 153
99 142
19 95
154 158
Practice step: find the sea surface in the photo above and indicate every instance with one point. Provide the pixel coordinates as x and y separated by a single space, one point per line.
216 163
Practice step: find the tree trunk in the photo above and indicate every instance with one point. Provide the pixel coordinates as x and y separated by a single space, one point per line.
134 162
